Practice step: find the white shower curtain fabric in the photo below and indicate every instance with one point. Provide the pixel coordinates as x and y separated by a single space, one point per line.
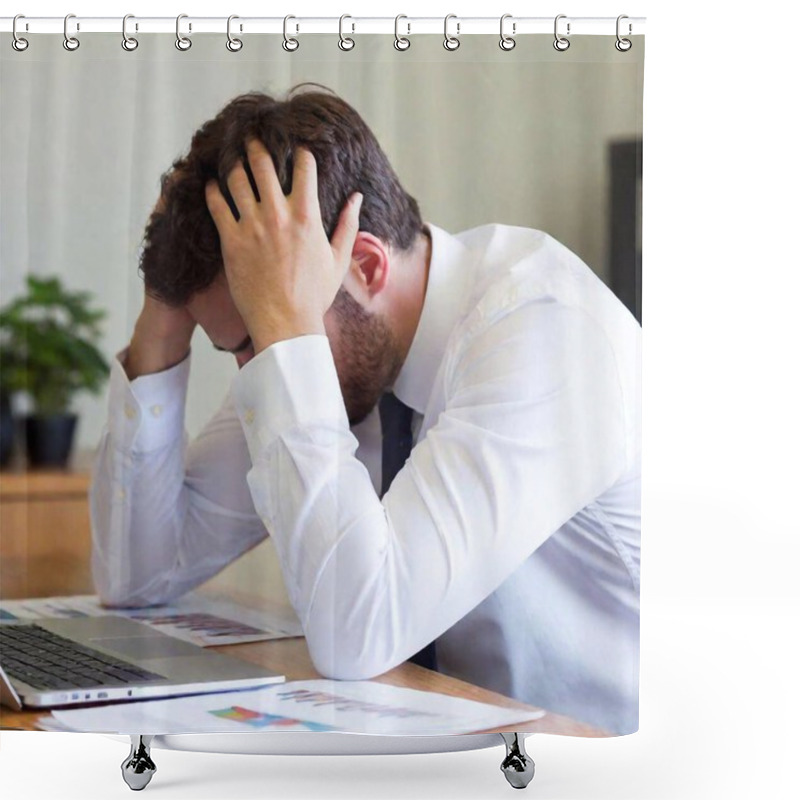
509 325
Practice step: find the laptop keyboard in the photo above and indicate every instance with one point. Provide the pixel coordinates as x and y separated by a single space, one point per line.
45 660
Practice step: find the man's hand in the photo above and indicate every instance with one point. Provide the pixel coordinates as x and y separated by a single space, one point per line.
282 272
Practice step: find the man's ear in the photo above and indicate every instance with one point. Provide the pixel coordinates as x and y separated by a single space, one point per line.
369 268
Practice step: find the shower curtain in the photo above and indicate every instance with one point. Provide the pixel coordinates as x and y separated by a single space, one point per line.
372 321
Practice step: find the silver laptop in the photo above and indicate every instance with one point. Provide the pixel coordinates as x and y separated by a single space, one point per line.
60 662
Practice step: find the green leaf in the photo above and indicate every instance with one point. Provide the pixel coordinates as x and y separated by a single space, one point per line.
48 339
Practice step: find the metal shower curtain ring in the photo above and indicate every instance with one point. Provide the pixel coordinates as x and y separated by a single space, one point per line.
233 44
289 44
623 45
507 42
345 42
400 42
182 42
17 42
561 43
71 43
129 43
451 42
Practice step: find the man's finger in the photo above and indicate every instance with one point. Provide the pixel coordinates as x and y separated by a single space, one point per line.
219 209
241 191
304 182
344 237
263 169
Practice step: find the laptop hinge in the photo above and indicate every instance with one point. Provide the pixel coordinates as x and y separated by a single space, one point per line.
8 696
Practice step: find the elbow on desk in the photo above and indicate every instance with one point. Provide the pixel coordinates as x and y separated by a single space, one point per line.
117 586
351 647
114 594
341 663
339 669
118 599
113 599
109 594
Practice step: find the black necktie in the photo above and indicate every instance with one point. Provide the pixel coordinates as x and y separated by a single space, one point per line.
397 440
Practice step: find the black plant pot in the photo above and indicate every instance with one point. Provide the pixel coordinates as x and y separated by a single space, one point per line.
48 439
6 431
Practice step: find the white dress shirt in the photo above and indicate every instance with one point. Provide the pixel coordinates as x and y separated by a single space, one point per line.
511 536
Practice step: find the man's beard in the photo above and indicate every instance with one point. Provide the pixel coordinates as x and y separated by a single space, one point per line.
369 359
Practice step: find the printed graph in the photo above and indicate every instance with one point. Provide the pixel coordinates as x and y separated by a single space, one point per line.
263 721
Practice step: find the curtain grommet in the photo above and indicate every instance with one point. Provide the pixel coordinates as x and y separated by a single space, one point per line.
233 44
182 43
507 42
129 43
451 43
18 42
561 43
346 43
70 43
289 44
623 45
401 43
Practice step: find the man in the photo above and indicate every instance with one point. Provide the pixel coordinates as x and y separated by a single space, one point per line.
510 537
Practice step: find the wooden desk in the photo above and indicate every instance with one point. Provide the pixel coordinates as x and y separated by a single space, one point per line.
45 540
45 549
290 657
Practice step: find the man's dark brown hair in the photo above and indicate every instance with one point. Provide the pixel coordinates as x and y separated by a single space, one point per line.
181 253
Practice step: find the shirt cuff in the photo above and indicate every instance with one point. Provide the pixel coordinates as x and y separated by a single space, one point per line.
147 413
291 384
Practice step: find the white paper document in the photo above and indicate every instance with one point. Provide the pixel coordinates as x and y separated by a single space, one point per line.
195 618
320 705
50 723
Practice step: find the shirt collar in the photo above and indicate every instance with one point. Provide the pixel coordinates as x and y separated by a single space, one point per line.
449 281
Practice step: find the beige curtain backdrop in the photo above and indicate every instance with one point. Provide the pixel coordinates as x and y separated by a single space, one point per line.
477 135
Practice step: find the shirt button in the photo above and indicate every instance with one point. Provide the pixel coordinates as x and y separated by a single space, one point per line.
249 416
156 410
121 494
130 411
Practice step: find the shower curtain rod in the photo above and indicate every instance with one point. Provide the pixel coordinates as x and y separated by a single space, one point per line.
406 25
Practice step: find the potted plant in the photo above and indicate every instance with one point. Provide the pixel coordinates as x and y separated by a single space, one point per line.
48 349
6 423
6 418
